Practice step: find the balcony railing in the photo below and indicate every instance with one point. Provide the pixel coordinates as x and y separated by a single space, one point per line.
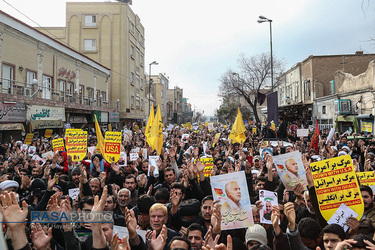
19 89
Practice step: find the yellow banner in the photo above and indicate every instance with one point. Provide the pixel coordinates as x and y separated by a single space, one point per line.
112 146
58 145
254 130
29 138
335 182
366 178
48 133
209 164
367 127
76 144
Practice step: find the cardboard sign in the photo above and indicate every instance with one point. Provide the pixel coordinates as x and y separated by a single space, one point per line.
336 183
58 145
48 133
230 190
73 193
112 146
367 179
211 126
29 138
152 161
133 156
302 132
76 144
254 130
367 127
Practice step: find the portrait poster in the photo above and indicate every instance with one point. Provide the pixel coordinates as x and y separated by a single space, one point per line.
291 169
230 190
268 199
335 183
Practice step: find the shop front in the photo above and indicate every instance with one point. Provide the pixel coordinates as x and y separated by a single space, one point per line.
346 123
12 121
41 118
366 122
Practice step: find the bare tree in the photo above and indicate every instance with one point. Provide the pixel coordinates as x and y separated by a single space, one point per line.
254 74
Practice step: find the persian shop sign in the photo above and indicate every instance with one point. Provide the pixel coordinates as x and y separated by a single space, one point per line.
12 112
35 113
69 74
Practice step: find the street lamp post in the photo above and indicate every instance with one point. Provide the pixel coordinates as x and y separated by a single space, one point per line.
149 85
263 19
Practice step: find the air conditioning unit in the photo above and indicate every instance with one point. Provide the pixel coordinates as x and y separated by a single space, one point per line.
343 106
27 92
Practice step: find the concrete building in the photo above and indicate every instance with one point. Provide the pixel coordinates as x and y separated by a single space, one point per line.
351 104
299 86
46 85
161 83
174 103
112 34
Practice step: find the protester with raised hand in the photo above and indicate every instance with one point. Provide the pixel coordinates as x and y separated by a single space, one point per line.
16 217
99 241
41 240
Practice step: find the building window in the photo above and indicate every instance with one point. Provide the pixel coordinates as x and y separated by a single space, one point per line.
62 90
324 110
69 92
90 96
132 102
132 51
81 93
141 60
132 27
7 79
89 44
142 83
97 98
132 78
104 97
138 83
30 76
47 87
141 104
90 20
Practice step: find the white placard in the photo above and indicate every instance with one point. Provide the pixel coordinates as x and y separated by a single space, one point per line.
135 150
91 149
134 156
24 147
38 159
73 193
342 214
330 135
302 132
144 153
48 155
123 231
152 161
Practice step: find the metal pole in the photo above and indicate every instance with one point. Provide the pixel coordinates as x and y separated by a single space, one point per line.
149 90
270 21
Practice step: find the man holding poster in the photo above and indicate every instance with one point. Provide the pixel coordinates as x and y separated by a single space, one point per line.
232 194
290 169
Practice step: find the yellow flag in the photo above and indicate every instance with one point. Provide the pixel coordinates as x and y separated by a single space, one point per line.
99 136
149 124
237 133
156 133
188 125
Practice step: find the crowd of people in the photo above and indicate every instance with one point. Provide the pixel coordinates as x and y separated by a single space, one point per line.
173 207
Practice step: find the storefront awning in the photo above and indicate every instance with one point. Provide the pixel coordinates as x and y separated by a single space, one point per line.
348 118
12 126
43 124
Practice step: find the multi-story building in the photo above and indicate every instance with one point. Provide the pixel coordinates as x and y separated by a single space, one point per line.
47 85
174 101
350 106
161 83
112 34
299 86
187 112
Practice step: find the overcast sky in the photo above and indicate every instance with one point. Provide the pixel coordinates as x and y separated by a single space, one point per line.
195 42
